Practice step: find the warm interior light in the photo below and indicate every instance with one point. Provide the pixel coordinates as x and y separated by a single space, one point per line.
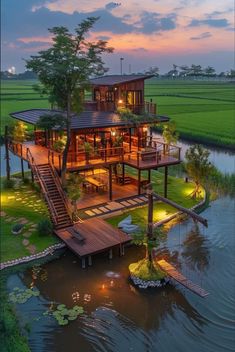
113 133
120 101
145 129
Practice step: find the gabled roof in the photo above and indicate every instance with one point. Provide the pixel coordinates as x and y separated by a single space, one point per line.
86 119
117 79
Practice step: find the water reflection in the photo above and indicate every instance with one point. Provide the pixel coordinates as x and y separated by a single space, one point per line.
195 250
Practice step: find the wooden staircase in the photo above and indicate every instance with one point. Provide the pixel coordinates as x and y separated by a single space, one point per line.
54 196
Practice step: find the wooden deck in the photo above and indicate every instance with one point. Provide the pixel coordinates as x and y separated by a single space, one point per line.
177 276
41 155
99 237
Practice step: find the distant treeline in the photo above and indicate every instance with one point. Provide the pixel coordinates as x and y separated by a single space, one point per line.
20 76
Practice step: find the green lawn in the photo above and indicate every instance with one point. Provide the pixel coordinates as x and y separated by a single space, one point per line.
178 191
22 202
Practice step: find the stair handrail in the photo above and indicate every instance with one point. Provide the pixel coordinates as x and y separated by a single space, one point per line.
59 187
34 168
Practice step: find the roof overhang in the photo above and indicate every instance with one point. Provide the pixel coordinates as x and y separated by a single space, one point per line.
86 119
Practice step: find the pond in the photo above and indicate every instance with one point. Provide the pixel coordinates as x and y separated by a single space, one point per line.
118 317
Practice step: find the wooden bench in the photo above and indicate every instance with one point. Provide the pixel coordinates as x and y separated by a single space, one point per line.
76 235
148 155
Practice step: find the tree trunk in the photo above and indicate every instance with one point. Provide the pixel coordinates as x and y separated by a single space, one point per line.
66 149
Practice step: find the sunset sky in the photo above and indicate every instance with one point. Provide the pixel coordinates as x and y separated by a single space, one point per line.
144 32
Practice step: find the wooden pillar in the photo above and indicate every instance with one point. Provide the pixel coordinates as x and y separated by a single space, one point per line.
139 181
150 217
83 263
149 175
123 174
110 183
110 253
122 251
165 181
89 260
130 140
22 167
8 169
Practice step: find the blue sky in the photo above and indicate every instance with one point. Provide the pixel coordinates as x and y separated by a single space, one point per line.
146 33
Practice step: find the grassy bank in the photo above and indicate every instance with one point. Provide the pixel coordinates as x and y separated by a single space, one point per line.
178 191
22 204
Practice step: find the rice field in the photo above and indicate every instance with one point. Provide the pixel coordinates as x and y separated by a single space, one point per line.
204 111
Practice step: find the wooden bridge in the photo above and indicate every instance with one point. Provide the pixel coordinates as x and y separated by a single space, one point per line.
177 276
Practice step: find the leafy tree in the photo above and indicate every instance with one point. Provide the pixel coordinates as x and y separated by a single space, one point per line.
153 70
169 133
209 71
196 70
74 191
64 70
19 132
198 166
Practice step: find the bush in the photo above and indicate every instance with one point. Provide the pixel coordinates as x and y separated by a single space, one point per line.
17 228
44 227
26 180
8 183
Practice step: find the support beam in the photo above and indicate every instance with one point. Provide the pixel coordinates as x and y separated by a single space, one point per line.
89 260
139 181
149 176
83 263
123 174
110 183
8 170
111 254
22 167
165 181
122 251
189 212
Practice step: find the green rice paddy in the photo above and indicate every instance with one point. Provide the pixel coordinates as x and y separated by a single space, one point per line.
204 111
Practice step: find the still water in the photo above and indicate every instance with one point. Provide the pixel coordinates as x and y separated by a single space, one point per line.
120 318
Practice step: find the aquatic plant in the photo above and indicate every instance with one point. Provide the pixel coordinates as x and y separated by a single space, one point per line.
63 314
20 295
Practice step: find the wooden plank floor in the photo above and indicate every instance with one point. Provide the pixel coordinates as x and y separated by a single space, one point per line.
176 275
99 237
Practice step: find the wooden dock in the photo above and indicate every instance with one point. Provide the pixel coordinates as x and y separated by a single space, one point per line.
177 276
98 235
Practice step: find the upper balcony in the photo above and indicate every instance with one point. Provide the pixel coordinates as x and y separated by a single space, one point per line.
138 109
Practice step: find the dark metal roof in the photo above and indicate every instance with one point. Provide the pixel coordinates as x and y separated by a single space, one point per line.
86 119
117 79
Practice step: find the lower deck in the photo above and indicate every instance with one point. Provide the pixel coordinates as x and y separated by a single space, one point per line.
98 236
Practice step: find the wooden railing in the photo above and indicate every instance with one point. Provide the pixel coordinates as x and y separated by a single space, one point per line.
76 159
36 173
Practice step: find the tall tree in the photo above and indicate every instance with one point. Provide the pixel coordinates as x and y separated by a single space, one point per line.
209 71
198 166
65 68
169 133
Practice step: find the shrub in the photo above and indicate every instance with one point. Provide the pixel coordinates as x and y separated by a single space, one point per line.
26 180
44 227
8 183
17 228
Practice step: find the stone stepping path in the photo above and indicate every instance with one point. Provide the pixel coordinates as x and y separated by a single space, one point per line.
131 201
32 249
27 234
103 209
89 212
25 242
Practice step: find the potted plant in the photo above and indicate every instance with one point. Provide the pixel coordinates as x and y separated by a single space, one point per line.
87 149
118 144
